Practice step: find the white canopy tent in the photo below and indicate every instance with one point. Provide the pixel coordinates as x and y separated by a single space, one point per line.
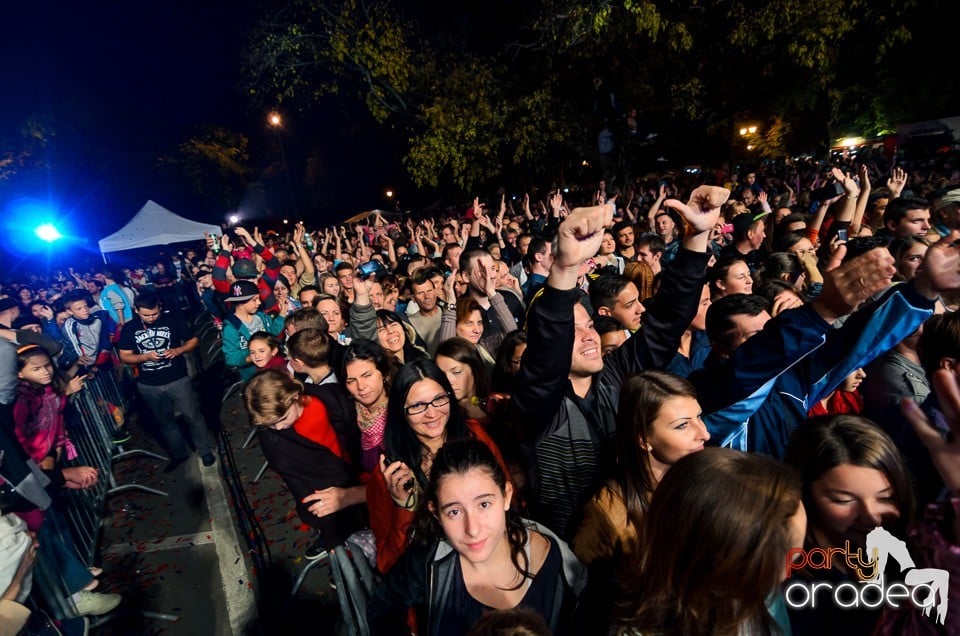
154 225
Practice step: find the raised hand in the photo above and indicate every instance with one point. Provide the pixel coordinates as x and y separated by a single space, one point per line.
556 202
701 213
864 175
449 287
897 181
848 285
486 277
578 239
850 186
244 234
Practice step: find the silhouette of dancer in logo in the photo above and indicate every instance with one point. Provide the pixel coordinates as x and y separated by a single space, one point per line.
936 580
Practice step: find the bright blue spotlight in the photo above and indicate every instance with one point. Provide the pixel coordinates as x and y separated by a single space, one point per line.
48 233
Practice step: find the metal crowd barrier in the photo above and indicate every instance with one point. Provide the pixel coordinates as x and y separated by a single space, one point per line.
92 418
102 408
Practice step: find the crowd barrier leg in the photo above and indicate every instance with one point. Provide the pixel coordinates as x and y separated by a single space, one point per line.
250 436
262 470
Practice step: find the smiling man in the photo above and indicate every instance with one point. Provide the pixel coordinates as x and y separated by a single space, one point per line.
568 393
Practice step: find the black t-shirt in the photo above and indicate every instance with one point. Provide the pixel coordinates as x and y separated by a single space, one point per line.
168 332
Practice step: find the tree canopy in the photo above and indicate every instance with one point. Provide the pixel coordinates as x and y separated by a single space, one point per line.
529 86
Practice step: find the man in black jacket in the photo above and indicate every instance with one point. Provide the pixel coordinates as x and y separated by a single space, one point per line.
568 393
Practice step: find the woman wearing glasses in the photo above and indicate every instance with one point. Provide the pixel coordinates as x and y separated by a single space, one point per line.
421 418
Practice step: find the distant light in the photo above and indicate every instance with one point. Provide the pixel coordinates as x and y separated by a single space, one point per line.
274 119
284 221
585 163
749 146
389 194
566 189
852 141
752 129
48 233
743 131
234 219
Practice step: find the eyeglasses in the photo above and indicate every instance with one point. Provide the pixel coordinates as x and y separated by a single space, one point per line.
421 407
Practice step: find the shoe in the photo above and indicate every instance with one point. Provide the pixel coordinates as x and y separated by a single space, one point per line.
121 436
95 604
314 551
173 463
208 459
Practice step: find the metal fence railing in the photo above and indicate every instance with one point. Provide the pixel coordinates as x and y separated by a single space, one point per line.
93 419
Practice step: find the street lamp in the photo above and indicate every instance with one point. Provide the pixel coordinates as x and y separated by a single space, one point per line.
276 122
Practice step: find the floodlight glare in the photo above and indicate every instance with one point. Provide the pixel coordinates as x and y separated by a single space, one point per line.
234 219
48 233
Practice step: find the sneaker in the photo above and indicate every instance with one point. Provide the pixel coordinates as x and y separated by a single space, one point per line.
208 459
121 436
95 604
173 464
314 551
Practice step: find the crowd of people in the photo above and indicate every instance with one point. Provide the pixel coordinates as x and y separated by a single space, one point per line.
618 410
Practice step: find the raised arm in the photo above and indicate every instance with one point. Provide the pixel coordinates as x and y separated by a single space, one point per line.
304 261
675 304
862 200
655 208
897 182
544 372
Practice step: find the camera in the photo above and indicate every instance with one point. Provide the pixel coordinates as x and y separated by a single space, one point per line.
828 191
368 268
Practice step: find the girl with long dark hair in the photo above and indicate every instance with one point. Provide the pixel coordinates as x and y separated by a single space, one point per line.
474 554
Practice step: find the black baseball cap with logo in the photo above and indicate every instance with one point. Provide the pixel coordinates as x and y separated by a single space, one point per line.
241 291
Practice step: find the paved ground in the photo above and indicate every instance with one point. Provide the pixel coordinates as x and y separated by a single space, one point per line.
181 562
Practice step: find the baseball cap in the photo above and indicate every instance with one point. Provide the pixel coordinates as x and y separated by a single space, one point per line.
245 268
743 222
241 291
950 197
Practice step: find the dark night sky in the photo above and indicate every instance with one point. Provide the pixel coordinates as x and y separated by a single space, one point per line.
141 77
138 77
